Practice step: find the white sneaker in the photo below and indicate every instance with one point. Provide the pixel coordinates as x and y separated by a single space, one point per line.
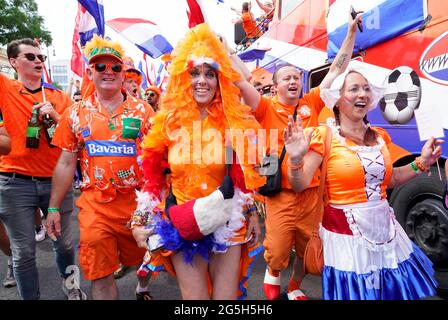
41 233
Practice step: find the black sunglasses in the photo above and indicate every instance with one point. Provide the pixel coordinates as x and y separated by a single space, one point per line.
152 94
101 67
32 57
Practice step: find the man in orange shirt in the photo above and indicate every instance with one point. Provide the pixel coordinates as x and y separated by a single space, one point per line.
290 216
104 130
25 173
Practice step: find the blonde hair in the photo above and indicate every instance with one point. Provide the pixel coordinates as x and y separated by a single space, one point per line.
97 43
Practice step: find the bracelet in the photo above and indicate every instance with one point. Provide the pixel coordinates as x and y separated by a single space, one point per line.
414 167
293 166
53 209
420 165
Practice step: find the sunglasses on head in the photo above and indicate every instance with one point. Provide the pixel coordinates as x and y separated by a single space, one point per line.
101 67
32 57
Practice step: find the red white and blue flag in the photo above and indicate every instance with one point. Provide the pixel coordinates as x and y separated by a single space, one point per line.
146 35
382 20
195 13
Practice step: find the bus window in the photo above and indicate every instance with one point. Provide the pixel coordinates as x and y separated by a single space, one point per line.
316 76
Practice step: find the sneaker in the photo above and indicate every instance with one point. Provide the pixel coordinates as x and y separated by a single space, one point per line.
120 271
41 233
9 280
73 294
143 296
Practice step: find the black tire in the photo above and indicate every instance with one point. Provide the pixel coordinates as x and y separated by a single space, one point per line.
418 207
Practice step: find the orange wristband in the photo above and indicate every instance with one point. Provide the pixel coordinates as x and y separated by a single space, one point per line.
420 165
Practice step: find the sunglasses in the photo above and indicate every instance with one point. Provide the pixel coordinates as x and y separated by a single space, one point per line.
101 67
152 94
32 57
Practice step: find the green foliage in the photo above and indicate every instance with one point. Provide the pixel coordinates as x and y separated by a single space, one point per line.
20 19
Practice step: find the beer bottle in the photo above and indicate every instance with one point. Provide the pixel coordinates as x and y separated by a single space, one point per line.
33 130
49 127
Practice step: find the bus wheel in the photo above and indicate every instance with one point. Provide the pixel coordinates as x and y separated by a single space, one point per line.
418 207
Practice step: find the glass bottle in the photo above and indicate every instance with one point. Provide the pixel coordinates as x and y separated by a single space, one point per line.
33 130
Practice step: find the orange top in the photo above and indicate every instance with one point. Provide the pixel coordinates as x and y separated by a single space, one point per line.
355 174
249 25
206 156
109 144
16 106
273 115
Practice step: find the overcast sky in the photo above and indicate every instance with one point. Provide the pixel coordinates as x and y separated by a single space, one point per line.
170 15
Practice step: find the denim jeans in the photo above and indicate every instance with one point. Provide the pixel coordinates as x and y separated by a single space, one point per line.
19 199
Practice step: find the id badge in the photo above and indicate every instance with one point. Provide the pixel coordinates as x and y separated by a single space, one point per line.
131 128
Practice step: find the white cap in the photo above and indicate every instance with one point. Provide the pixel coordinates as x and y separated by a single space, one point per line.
331 96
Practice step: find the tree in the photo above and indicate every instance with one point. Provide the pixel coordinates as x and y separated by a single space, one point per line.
20 19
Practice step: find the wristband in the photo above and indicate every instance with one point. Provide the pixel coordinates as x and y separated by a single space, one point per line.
420 165
414 167
53 209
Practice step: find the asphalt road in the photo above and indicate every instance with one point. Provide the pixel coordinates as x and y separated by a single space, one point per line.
162 287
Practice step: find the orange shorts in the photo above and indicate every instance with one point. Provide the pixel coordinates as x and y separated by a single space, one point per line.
105 239
290 220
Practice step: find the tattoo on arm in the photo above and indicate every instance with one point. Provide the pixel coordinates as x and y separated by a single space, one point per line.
341 60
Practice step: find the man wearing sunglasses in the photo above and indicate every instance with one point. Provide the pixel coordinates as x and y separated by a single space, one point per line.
153 97
25 174
105 131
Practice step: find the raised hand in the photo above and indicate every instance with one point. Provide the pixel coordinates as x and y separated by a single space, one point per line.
297 141
353 22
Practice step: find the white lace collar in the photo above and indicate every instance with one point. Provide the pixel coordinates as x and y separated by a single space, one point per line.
331 122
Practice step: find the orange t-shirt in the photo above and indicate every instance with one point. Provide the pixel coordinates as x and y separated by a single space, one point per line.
346 181
109 144
16 104
249 25
273 115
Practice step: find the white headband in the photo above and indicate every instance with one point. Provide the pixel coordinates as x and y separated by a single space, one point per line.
331 96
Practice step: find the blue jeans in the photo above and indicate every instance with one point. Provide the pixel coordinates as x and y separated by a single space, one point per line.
19 199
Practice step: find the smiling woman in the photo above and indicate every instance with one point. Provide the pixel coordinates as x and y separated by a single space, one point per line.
358 222
206 228
204 82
